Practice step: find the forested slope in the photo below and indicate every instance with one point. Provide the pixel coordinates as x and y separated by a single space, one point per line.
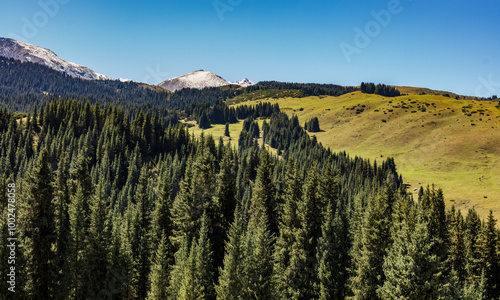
112 205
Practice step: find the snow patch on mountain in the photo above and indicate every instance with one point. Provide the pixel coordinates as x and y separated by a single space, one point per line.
244 82
30 53
199 80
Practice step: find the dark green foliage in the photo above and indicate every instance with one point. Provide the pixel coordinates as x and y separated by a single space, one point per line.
371 244
204 121
411 269
258 267
379 89
306 89
312 125
232 276
264 192
38 232
127 193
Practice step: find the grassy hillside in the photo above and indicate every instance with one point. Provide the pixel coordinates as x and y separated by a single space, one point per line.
454 144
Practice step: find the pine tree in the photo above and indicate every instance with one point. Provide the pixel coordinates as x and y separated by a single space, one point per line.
471 235
141 238
160 270
224 203
411 269
489 260
161 223
226 130
289 224
39 232
62 224
194 277
457 255
181 263
301 269
258 255
97 251
231 276
332 255
264 191
195 196
204 260
79 211
373 242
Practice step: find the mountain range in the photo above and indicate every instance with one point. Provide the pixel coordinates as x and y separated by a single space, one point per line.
25 52
30 53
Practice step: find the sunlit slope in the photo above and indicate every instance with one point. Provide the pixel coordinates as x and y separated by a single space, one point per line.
454 144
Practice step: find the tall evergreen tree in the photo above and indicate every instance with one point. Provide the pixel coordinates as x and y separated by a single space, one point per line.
411 269
39 231
489 260
289 224
374 239
224 203
79 211
160 270
98 244
141 238
62 226
231 278
333 255
264 191
258 255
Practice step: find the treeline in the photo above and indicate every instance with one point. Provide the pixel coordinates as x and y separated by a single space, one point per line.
220 113
379 89
22 84
306 89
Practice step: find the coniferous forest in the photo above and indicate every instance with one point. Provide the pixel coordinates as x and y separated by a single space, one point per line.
116 206
116 200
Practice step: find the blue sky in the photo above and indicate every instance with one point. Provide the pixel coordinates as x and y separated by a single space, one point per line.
446 45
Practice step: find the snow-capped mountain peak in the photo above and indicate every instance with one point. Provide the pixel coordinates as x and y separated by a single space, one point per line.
195 80
244 82
30 53
199 80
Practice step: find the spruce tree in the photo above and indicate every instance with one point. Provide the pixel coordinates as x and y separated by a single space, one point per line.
231 278
333 255
226 130
39 233
62 224
79 211
160 270
373 242
289 224
258 255
411 269
489 260
98 244
224 203
301 269
264 191
141 238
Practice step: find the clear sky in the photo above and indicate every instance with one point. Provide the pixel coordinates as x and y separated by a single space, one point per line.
447 45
